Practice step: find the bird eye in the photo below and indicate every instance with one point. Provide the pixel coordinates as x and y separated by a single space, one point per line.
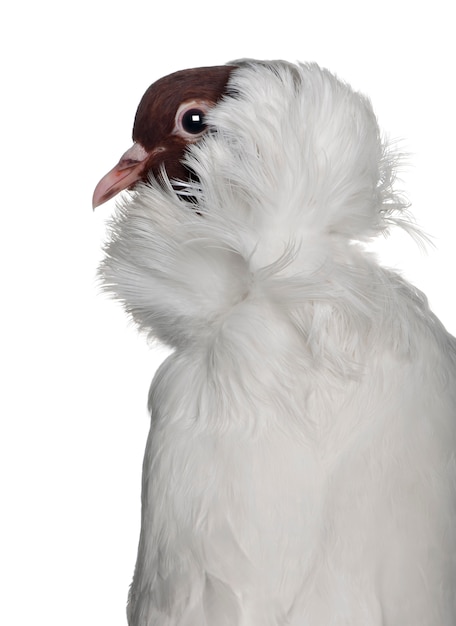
193 121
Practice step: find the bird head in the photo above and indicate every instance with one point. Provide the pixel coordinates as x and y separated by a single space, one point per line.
292 140
171 115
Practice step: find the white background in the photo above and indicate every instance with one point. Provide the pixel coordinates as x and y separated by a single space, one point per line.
74 374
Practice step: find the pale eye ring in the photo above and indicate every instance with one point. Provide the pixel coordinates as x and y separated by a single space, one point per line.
191 119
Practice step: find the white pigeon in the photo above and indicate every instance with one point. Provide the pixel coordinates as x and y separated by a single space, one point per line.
300 468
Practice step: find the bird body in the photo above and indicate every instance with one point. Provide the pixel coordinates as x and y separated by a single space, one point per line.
300 468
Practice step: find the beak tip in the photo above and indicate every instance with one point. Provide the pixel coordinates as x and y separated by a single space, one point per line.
99 197
96 201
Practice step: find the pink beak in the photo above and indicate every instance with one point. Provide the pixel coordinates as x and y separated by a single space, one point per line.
122 176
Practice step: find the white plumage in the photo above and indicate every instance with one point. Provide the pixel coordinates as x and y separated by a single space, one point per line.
300 468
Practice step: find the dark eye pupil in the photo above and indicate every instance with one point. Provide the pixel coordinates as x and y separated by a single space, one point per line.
193 121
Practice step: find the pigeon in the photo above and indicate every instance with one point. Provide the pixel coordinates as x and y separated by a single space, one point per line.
300 468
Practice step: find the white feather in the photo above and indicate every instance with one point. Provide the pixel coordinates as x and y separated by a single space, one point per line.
300 468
